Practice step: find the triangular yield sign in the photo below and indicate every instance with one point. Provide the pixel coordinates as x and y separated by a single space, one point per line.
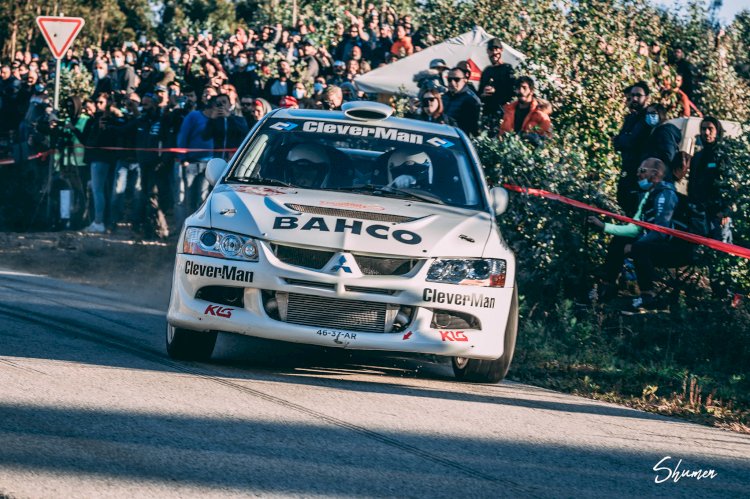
59 32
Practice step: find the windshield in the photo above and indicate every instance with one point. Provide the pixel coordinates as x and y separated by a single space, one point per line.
372 160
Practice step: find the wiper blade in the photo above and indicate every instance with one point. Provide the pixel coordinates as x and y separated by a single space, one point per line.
385 190
259 181
422 196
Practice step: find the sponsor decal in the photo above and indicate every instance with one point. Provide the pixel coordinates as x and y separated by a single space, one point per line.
352 206
438 142
337 336
377 231
460 299
260 190
407 336
230 273
218 311
283 126
378 132
341 266
453 336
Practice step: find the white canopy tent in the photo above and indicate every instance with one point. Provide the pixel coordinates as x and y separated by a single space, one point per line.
398 77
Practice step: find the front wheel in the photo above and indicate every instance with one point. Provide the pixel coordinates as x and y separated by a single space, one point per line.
491 371
184 344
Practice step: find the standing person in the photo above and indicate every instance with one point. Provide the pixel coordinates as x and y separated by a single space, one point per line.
431 105
461 104
497 84
299 92
223 128
685 70
281 85
190 184
333 98
127 172
102 80
124 79
95 136
630 142
524 115
664 139
706 170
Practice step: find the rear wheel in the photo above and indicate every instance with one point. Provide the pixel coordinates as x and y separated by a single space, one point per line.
184 344
491 371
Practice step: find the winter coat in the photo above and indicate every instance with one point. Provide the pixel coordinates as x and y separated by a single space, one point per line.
464 107
535 122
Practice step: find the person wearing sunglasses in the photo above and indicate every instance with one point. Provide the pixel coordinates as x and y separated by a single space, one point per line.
648 248
461 103
431 108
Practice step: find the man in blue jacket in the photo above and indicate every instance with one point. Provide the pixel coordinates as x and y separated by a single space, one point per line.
648 249
191 186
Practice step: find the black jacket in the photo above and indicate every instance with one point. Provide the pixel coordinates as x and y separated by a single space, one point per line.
502 77
663 143
659 209
631 142
463 107
227 133
703 184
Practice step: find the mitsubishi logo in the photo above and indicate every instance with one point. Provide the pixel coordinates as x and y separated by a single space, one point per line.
341 266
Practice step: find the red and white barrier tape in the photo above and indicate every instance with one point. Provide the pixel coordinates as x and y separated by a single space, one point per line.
731 249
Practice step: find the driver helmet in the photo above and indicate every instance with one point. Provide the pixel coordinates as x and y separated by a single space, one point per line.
307 165
414 164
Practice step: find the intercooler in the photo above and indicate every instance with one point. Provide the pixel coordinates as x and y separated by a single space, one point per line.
337 313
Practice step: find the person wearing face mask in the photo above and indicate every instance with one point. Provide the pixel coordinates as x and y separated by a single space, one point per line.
318 88
299 92
648 249
664 140
162 74
244 77
102 79
124 79
630 142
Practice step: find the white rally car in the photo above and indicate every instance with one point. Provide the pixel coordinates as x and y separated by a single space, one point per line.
350 229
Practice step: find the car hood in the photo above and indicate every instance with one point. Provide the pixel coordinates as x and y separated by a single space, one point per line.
349 222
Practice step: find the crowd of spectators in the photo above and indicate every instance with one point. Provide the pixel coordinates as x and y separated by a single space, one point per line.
203 94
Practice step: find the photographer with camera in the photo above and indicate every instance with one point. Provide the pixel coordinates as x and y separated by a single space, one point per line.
226 130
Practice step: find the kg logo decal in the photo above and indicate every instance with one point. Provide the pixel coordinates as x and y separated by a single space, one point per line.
438 142
283 126
218 311
341 266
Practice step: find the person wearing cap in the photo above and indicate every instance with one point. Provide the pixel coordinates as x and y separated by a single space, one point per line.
497 83
440 67
339 73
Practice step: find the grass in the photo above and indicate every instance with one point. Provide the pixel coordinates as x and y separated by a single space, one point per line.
687 364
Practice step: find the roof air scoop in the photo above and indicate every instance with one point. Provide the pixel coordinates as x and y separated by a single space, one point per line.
366 111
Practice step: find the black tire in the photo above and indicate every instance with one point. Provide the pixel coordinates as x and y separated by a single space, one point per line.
491 371
184 344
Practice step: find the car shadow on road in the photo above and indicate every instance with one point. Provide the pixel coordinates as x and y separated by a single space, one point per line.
330 458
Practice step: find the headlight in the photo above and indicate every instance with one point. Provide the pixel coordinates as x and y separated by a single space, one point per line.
219 244
484 272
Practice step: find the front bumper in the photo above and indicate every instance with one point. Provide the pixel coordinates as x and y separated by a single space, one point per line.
491 306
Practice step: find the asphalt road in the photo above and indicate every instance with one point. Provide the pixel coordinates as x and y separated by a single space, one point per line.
90 406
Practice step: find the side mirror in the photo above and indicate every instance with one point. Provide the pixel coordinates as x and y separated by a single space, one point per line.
214 169
498 200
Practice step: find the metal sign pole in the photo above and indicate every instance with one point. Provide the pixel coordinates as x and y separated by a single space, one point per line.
57 86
